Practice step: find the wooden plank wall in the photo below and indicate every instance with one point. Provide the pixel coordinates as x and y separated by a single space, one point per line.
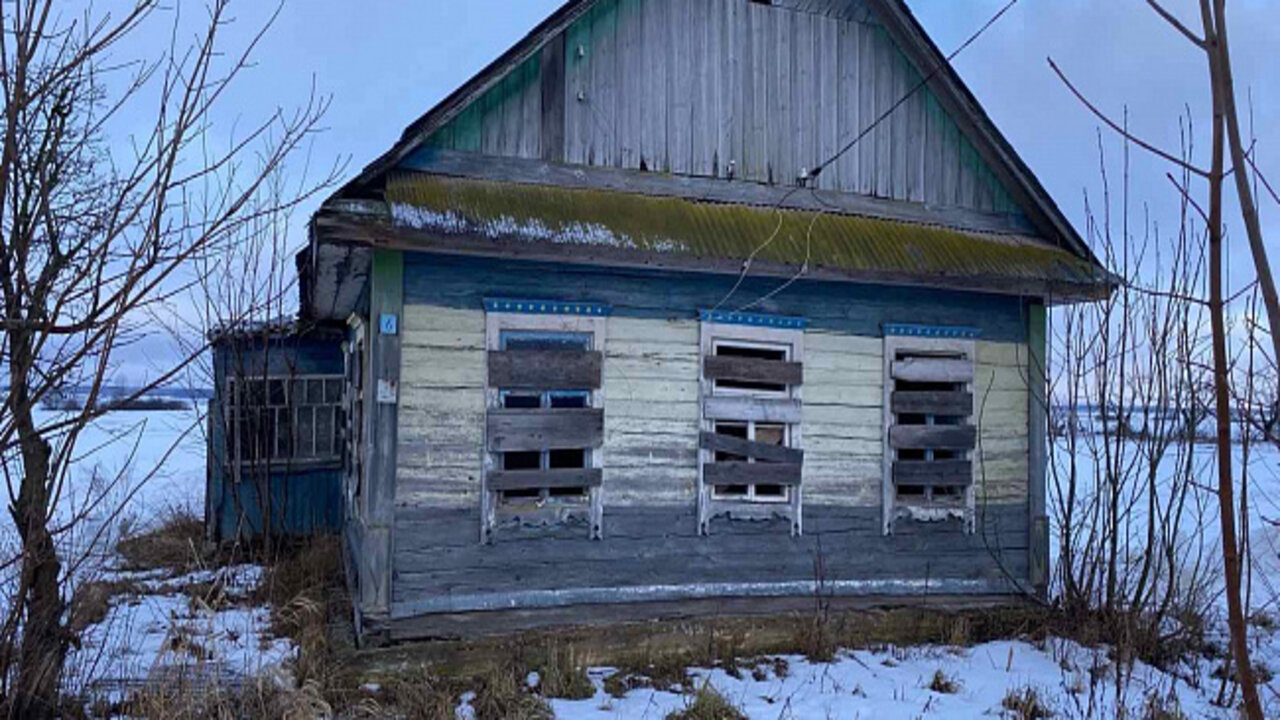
694 87
650 387
386 296
658 546
442 412
1000 401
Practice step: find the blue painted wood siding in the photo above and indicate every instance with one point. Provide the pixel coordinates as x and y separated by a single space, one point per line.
852 309
305 499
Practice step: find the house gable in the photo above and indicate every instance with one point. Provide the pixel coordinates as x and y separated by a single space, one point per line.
719 89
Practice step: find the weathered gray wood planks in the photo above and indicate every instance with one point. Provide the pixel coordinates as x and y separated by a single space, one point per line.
940 370
529 430
544 370
745 473
933 437
746 448
933 473
503 480
697 87
932 403
756 370
656 546
780 410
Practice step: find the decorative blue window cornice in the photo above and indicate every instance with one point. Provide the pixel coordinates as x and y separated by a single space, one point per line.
546 307
950 332
783 322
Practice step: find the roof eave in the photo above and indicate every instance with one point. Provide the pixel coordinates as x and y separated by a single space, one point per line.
362 229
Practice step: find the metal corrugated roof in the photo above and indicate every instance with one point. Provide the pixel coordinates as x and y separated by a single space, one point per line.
675 227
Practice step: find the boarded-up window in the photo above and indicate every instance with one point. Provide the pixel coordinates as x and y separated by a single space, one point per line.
930 433
545 420
284 418
525 354
750 456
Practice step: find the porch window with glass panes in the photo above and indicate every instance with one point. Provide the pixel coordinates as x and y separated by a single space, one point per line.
284 419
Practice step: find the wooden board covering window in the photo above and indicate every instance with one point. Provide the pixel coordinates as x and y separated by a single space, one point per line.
928 435
931 369
544 369
751 376
747 369
933 437
932 403
747 473
745 448
528 430
934 473
505 480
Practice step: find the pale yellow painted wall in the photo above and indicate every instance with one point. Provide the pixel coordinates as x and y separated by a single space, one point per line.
650 387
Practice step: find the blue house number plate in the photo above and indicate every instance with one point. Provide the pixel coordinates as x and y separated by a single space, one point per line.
387 324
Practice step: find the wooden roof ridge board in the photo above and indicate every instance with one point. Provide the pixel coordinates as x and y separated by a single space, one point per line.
904 29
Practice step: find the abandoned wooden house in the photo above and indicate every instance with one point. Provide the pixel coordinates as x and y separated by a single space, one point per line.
689 306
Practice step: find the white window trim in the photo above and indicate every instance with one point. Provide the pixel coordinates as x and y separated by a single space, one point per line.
495 324
711 503
892 510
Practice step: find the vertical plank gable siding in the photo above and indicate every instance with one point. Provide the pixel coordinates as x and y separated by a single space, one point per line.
649 381
697 86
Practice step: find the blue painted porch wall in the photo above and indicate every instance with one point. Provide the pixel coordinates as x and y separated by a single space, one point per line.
304 501
856 309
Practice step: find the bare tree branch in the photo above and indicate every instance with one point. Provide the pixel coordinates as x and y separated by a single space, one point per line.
1177 24
1123 132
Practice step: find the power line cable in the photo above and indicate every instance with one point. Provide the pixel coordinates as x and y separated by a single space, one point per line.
807 176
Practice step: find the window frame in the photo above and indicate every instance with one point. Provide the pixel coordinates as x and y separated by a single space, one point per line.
950 343
233 411
757 335
546 508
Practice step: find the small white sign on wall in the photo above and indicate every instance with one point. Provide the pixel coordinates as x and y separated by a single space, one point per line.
387 391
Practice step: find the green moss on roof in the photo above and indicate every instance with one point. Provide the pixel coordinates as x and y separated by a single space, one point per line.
713 231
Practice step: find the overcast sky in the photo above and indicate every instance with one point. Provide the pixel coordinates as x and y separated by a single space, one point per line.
386 62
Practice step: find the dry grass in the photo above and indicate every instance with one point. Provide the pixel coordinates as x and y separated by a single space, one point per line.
305 590
177 545
563 675
708 704
502 694
1162 707
261 699
944 684
417 694
92 601
1025 704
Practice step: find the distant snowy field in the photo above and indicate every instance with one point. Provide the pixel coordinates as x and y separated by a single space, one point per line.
136 641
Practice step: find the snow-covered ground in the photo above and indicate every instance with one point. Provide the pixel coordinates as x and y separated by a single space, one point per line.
166 625
900 683
131 471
